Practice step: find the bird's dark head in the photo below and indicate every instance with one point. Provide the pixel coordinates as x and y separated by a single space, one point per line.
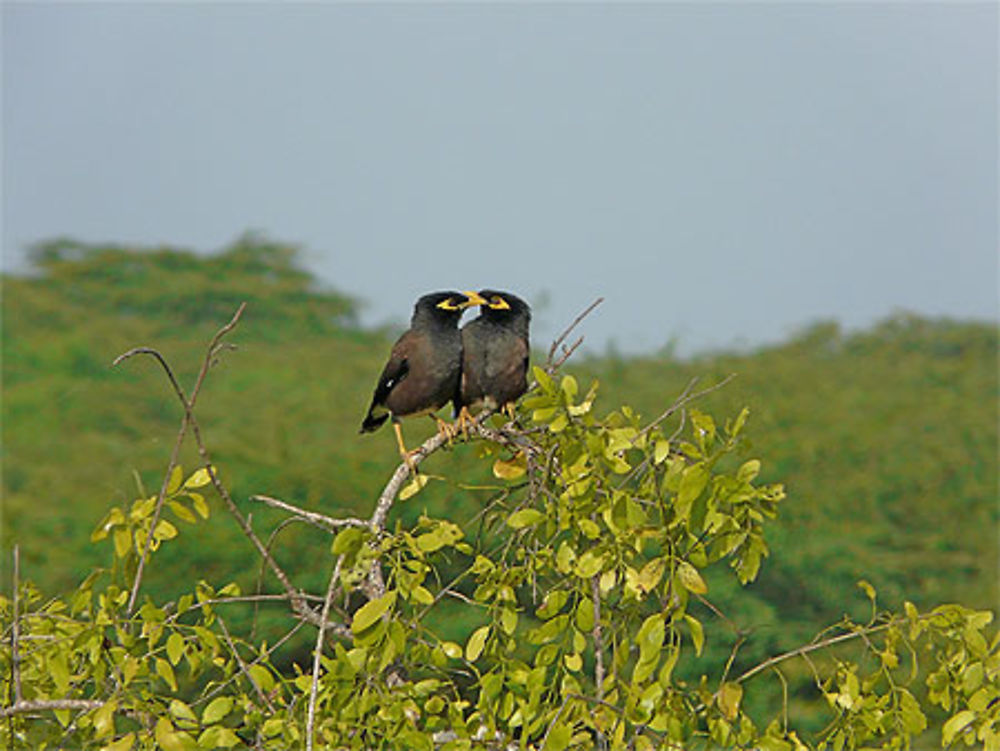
445 306
503 305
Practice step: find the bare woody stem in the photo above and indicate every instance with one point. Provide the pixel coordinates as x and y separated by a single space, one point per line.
213 349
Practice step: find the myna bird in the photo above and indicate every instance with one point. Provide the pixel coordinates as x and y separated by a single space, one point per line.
494 354
422 374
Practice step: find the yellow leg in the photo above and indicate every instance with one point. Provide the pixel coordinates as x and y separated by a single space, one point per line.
465 419
448 431
407 456
508 409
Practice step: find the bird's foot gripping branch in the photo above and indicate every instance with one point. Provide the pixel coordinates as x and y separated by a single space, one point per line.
580 608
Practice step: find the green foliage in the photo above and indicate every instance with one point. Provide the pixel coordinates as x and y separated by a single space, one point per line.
886 439
588 575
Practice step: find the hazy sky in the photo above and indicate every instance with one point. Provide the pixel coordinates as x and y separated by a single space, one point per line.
721 173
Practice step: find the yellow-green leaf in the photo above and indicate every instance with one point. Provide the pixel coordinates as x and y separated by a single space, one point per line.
175 648
955 725
697 633
661 451
199 478
510 469
166 672
164 530
371 611
199 503
729 697
169 739
474 646
413 487
218 736
218 708
124 743
176 474
104 719
691 579
526 517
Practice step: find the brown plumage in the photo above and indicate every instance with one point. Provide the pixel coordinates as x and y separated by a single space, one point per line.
495 350
422 374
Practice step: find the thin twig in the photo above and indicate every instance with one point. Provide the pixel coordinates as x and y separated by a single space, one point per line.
685 398
569 329
316 519
803 651
185 422
23 707
243 666
16 628
331 587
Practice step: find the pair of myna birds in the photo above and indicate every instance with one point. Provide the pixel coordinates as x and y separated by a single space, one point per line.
485 364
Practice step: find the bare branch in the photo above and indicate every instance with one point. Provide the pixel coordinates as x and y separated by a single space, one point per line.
318 654
243 666
569 329
16 628
815 646
687 397
312 517
23 707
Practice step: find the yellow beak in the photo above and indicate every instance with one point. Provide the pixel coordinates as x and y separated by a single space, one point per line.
473 298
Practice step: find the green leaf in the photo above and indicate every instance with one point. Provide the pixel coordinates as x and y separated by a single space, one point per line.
589 564
218 736
697 633
218 708
182 511
691 579
573 662
371 611
199 503
125 743
169 739
510 469
348 540
262 677
693 481
175 648
474 646
749 471
166 672
123 541
176 474
526 517
414 486
199 479
558 737
543 378
104 719
183 713
729 697
955 725
164 530
661 451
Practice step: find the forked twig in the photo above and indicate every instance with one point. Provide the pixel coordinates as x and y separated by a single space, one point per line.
185 423
562 337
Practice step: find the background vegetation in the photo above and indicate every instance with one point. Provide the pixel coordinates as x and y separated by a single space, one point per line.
886 439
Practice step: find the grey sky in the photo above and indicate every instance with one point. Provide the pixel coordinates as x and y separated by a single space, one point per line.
721 173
